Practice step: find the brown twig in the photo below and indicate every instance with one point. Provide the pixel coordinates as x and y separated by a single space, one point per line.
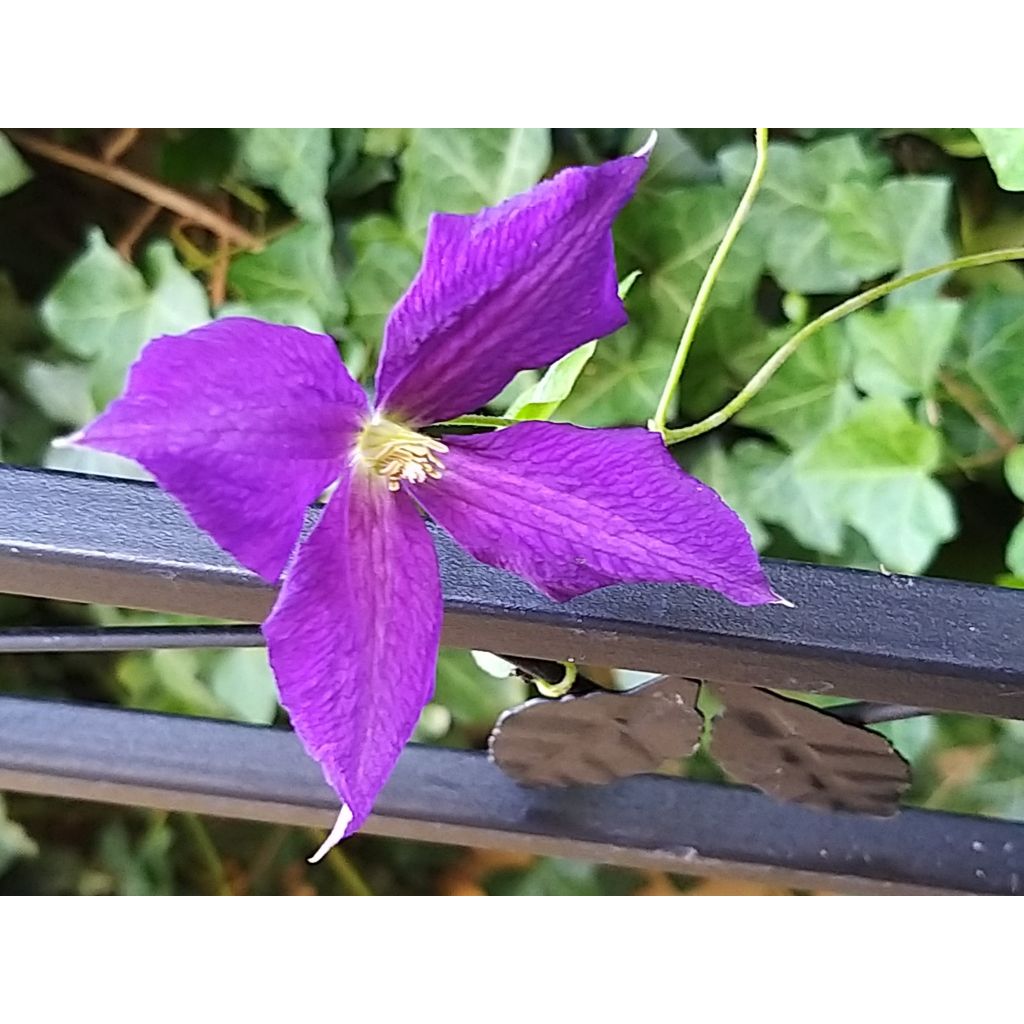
973 404
154 191
131 234
217 281
119 143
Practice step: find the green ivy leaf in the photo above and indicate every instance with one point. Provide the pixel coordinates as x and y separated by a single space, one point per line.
386 142
293 280
14 840
103 309
671 238
918 209
1013 467
14 172
1004 148
811 392
242 681
1015 551
295 162
782 496
874 472
791 214
620 384
541 400
989 355
386 261
460 170
674 161
897 352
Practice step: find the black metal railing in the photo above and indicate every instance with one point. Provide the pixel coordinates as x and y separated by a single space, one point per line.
889 640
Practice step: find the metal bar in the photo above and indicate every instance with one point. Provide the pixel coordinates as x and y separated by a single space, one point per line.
91 639
883 638
88 639
447 796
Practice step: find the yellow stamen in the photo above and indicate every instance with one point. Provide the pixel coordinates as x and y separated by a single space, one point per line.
398 453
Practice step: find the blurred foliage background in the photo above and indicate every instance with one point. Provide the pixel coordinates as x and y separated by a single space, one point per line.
890 440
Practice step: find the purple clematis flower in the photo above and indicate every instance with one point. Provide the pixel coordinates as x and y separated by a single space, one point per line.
247 423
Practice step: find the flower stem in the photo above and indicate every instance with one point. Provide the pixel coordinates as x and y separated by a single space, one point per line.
781 354
657 422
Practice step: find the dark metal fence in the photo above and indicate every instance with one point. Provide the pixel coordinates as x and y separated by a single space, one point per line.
888 639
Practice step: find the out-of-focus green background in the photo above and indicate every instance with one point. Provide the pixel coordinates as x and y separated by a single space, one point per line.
889 440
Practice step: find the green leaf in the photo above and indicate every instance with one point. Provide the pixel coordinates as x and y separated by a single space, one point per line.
671 238
541 400
898 226
103 310
14 172
791 214
242 681
388 142
460 170
1004 148
1015 551
14 840
620 384
386 261
295 162
810 393
897 352
919 210
1013 467
828 221
861 234
674 161
781 495
198 157
989 355
293 280
874 472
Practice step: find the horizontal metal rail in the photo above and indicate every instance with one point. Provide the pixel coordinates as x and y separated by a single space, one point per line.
877 637
447 796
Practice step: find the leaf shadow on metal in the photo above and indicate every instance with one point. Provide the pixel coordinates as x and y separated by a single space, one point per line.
792 751
598 737
786 749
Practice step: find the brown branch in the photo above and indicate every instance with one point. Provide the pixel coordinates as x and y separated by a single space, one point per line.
973 404
154 191
217 281
119 143
126 243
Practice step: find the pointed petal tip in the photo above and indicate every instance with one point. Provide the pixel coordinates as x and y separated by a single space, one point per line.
69 440
652 141
337 833
784 601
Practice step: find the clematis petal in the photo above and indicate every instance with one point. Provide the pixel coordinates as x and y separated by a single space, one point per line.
572 509
245 423
353 638
513 287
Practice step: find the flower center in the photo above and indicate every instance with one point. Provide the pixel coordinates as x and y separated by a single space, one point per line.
397 453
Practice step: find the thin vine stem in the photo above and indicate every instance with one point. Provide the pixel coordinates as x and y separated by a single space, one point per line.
781 354
657 422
